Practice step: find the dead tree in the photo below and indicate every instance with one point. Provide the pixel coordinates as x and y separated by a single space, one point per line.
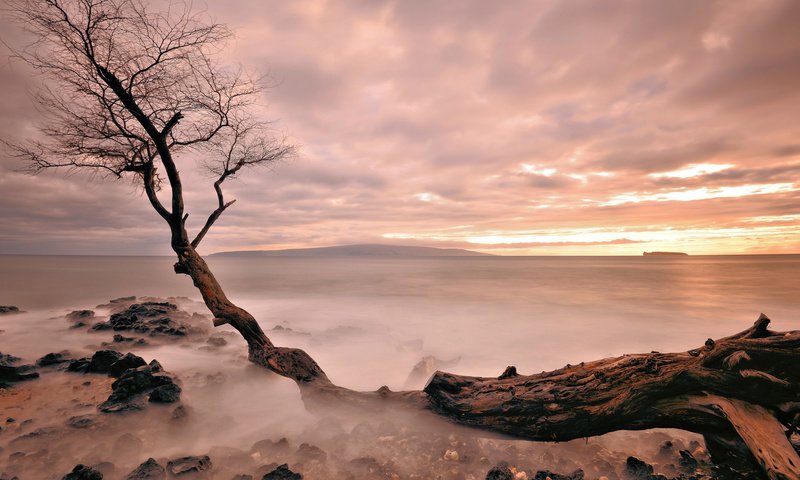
134 93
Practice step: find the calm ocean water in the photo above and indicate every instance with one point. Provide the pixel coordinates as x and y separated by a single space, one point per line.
368 320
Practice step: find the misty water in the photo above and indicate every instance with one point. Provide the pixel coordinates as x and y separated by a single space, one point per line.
369 321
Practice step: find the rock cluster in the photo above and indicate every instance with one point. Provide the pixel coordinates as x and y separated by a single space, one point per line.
152 318
4 309
135 380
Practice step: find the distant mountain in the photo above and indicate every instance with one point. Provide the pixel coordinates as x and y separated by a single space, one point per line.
358 251
665 254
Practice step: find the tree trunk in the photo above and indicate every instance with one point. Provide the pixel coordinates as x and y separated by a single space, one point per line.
740 392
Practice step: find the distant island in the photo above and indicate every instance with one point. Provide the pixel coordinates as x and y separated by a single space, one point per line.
681 254
366 250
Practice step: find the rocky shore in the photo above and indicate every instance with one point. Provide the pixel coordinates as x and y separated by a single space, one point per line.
110 413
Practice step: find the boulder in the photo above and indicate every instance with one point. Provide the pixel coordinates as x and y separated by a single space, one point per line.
5 309
82 472
11 372
636 469
153 318
53 358
80 365
282 473
545 474
169 393
126 362
148 470
102 360
191 464
80 315
500 472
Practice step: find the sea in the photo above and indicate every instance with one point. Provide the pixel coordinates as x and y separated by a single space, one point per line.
380 315
369 321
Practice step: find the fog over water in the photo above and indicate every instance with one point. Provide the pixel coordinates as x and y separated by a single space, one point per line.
533 312
368 321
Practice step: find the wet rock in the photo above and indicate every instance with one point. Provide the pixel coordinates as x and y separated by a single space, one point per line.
423 370
191 464
636 469
128 390
148 470
117 338
6 359
153 318
80 365
102 360
118 303
268 448
216 341
687 461
282 473
545 474
500 472
169 393
82 472
53 358
11 372
6 309
126 362
80 315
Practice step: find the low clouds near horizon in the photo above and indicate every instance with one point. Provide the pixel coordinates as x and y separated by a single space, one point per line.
514 127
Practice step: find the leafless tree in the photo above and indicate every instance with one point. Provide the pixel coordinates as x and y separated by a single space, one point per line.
134 92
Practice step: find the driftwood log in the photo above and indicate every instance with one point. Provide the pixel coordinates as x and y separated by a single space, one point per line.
739 392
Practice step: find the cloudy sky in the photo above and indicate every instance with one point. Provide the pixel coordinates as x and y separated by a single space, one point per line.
536 127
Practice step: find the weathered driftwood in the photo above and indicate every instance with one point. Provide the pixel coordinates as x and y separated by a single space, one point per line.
739 392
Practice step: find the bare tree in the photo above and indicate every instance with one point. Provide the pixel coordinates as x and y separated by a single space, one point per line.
134 93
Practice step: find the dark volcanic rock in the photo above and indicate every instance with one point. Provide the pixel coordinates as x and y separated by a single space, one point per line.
148 470
82 472
687 461
184 465
10 372
54 358
169 393
80 365
8 360
128 361
268 448
153 318
500 472
282 473
80 315
636 469
4 309
102 360
128 390
545 474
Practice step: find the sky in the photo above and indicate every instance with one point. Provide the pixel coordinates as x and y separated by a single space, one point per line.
514 128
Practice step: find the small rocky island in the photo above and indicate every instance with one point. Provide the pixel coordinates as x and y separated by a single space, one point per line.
665 254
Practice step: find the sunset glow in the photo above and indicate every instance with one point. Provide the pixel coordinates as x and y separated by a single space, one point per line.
544 131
